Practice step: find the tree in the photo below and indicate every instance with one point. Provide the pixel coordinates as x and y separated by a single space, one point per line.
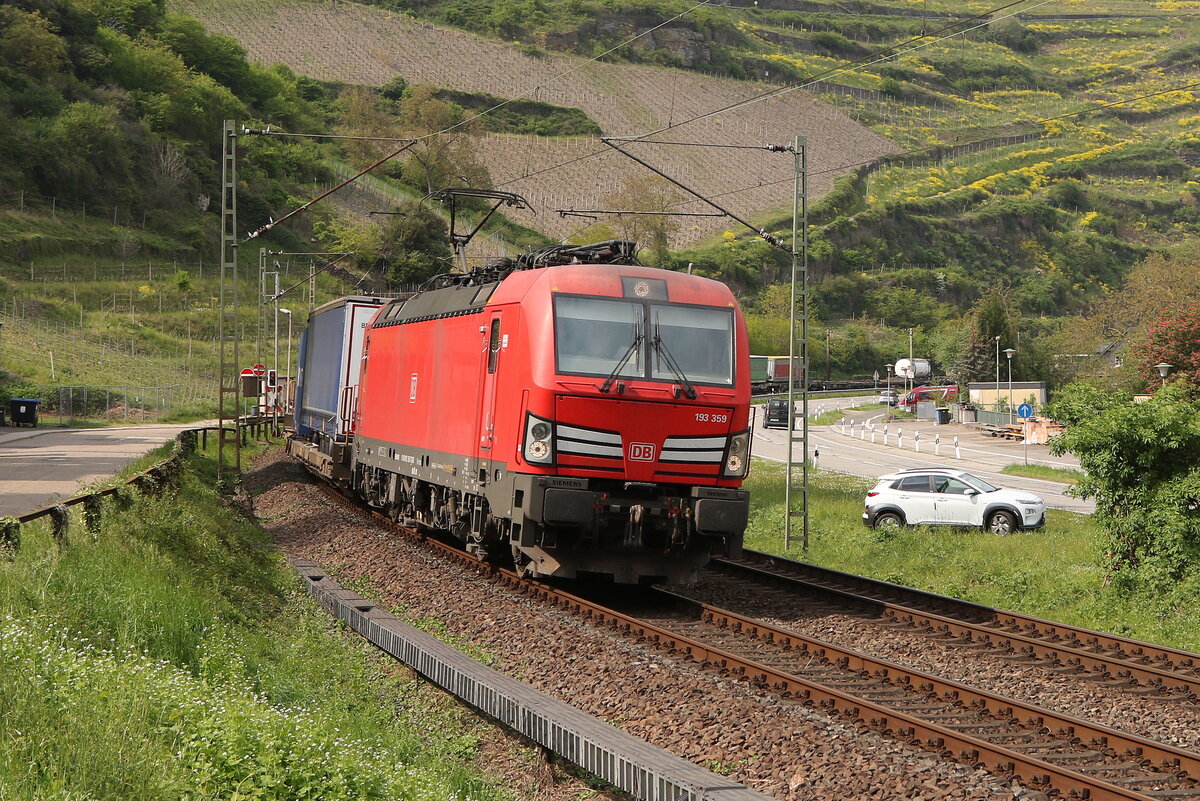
648 193
361 115
1121 320
991 317
1142 465
29 44
1174 338
414 246
441 158
344 235
395 88
902 307
84 148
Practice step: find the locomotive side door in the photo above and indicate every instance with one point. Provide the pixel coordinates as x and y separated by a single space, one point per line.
494 343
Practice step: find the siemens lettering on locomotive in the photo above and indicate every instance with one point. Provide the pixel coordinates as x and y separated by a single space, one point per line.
572 411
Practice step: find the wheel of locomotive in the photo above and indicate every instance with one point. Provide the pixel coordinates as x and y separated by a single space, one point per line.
1001 523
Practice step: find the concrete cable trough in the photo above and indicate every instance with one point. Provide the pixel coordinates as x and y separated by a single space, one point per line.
640 769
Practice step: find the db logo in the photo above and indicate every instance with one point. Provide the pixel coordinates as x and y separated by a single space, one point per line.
641 452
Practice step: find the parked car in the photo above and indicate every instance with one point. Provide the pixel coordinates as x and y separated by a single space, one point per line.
775 413
887 397
938 496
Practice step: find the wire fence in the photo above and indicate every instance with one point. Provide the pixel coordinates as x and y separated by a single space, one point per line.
124 402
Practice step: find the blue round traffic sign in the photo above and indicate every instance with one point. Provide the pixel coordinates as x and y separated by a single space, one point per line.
1025 411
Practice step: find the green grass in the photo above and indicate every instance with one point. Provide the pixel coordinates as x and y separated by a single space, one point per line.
1065 475
176 656
834 415
1053 573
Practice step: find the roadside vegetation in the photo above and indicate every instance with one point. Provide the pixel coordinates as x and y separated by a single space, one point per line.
174 655
1065 475
1058 572
834 415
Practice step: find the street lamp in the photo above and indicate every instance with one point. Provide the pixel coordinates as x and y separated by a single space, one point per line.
889 380
1009 353
996 386
912 372
1163 368
291 381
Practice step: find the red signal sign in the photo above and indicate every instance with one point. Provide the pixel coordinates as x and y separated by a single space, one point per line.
260 370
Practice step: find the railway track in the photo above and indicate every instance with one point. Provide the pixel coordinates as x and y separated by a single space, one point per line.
1166 674
1059 755
1050 752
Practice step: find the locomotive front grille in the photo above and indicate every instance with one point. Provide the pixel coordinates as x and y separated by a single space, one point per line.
694 450
590 442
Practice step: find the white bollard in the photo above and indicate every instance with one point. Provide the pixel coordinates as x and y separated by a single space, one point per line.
885 435
957 452
937 444
862 432
917 441
872 433
899 437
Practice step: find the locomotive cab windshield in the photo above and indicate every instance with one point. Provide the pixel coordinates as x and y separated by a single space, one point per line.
596 336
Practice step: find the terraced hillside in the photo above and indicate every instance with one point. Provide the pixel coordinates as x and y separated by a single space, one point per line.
352 43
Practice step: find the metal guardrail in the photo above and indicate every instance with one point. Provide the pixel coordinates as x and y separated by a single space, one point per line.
150 481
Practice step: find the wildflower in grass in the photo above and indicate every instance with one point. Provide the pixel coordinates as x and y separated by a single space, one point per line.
226 741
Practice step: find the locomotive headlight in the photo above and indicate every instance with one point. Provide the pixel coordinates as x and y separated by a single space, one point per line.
539 440
737 459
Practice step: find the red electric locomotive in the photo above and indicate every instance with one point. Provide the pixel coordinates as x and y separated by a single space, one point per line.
585 414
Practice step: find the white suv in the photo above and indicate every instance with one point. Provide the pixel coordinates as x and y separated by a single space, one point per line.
944 497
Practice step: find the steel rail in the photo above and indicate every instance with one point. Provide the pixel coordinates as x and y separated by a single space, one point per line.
1111 658
1177 763
1172 764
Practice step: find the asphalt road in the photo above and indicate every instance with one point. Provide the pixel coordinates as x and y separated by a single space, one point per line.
41 466
979 454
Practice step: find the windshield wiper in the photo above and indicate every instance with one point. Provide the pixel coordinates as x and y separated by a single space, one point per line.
633 348
660 348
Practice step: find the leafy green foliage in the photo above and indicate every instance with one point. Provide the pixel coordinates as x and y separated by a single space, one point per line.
184 660
1173 338
524 116
992 331
119 103
414 246
1142 465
